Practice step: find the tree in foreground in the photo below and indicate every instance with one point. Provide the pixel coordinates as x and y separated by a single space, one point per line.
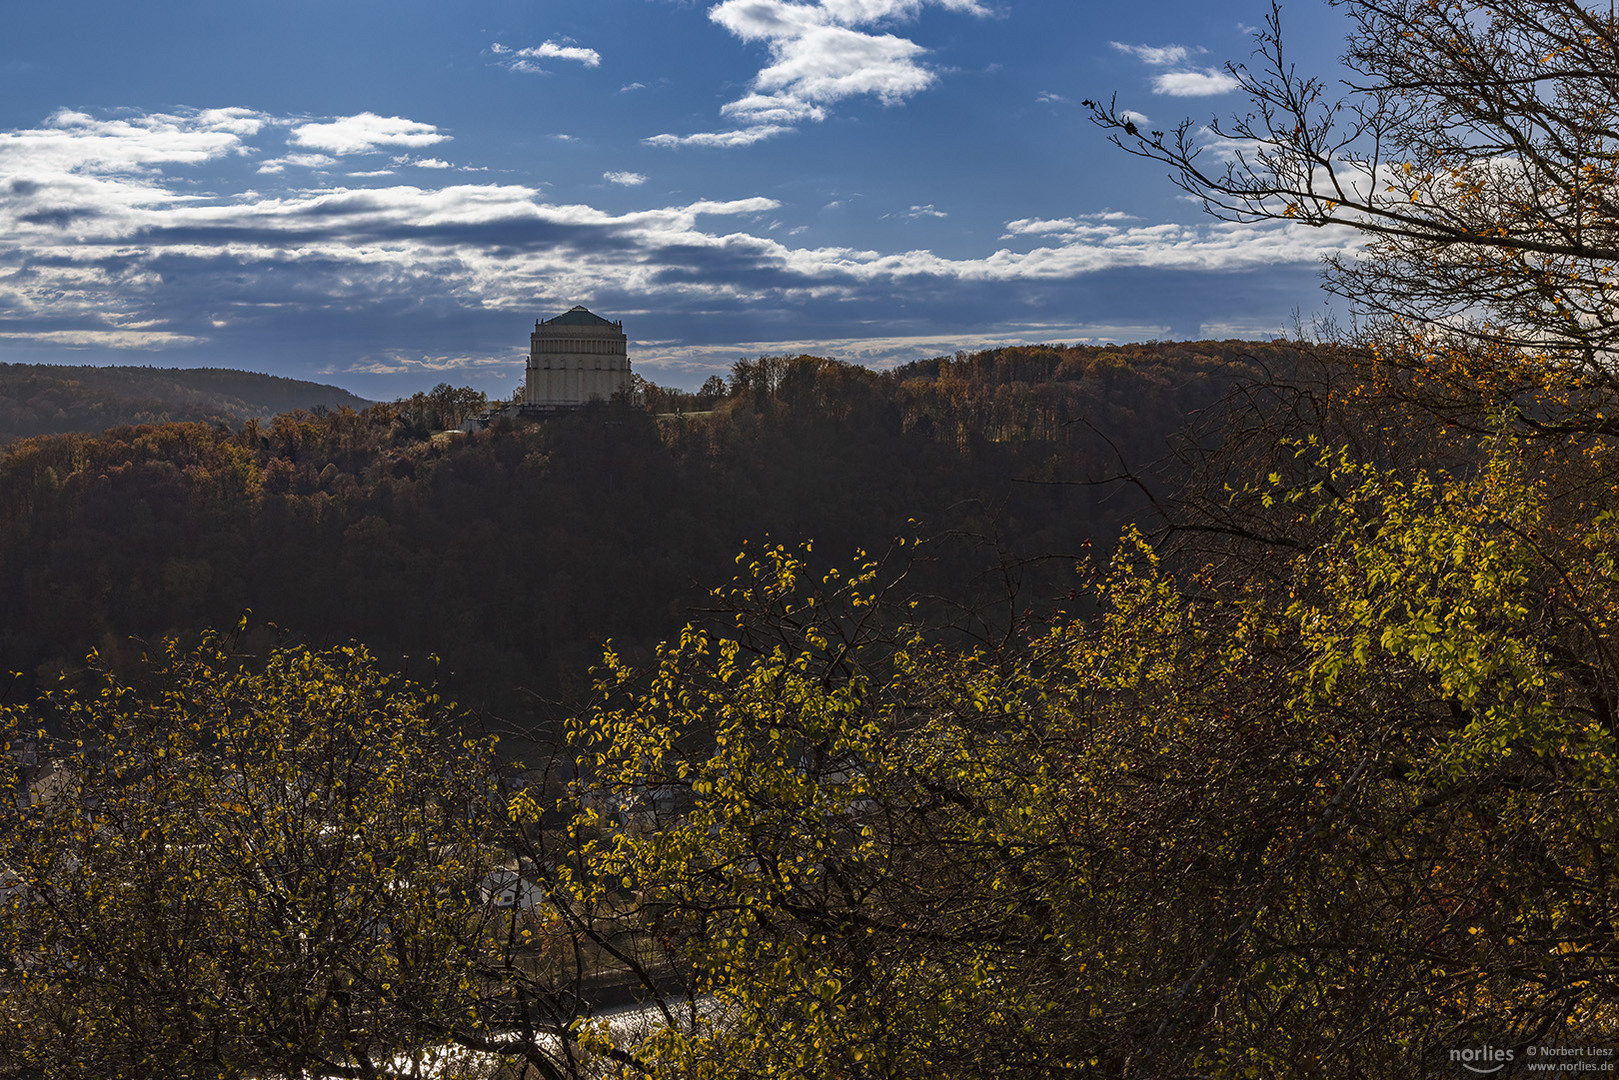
288 865
1331 794
835 824
235 867
1340 825
1328 787
1475 149
1336 820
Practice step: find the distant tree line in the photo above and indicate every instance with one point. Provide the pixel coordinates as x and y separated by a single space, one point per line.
443 408
661 399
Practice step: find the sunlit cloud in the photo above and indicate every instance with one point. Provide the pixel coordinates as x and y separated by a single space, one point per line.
1155 54
75 141
106 339
821 53
301 161
1201 82
627 179
521 59
1204 83
401 364
1071 226
743 137
364 133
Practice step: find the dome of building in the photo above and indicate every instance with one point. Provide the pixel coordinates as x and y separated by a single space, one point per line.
578 316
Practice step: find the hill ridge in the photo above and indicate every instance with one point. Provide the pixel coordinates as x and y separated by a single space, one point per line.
51 399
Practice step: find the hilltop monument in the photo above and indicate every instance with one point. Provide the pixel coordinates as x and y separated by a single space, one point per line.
575 358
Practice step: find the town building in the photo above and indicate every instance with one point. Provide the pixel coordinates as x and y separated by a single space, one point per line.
576 358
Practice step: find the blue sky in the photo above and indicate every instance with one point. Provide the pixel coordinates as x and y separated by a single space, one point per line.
384 194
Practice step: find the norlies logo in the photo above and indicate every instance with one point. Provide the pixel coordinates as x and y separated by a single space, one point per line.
1483 1059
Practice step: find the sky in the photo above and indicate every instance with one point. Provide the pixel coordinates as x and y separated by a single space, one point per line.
385 194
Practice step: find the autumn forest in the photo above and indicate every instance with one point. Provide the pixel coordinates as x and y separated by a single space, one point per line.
1215 709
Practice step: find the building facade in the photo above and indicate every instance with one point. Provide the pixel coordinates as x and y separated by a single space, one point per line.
575 358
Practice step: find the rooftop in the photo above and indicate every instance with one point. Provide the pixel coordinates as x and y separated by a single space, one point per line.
577 316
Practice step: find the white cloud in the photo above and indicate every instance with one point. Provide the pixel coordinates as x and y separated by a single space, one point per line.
82 176
73 141
826 64
742 137
760 109
628 179
1203 83
1088 249
106 339
393 363
364 133
243 122
628 87
862 10
587 57
301 161
915 212
522 59
1159 54
821 53
1047 97
756 205
1072 227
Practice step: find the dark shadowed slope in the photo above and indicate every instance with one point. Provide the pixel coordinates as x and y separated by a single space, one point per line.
47 399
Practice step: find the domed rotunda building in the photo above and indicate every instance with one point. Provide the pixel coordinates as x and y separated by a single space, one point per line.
576 358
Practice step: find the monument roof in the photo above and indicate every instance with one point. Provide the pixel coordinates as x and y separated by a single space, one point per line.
578 316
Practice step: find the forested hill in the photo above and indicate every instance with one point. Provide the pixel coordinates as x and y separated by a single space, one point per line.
513 553
47 399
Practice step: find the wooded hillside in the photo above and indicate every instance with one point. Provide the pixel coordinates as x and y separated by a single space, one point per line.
513 553
44 399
